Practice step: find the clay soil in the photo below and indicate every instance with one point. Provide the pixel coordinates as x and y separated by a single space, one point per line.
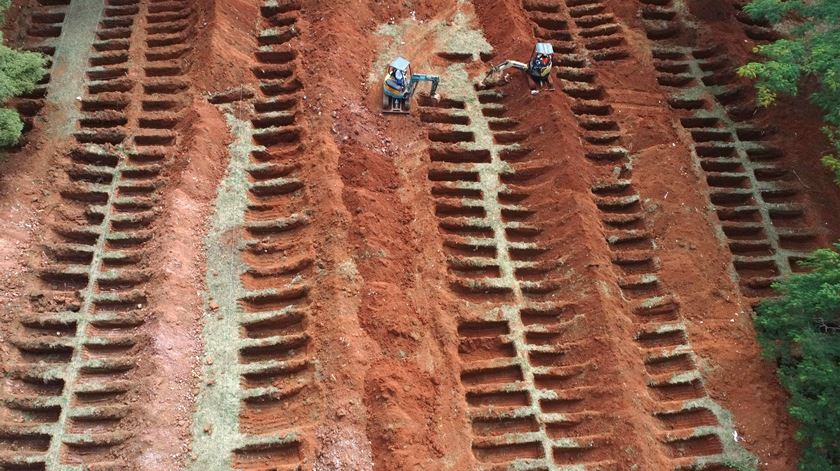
390 395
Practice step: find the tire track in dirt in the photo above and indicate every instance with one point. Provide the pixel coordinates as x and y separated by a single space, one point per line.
253 409
74 378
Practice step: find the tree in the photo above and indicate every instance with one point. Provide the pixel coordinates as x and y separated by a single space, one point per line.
812 48
801 331
20 72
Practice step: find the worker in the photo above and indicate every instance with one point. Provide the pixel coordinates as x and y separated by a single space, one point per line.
396 79
540 72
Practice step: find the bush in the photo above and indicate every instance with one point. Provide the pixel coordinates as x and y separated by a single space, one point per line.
801 331
19 73
10 127
812 48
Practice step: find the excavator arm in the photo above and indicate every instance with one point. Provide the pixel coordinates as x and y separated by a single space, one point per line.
426 78
498 69
507 65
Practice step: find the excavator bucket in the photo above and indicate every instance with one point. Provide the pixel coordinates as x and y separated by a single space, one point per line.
493 77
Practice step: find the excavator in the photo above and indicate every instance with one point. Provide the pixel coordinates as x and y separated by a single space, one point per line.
400 84
538 68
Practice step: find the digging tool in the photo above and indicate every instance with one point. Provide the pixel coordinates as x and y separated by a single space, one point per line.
538 68
400 84
495 73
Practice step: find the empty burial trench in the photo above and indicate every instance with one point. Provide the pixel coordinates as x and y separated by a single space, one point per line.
754 200
456 56
252 456
755 29
261 345
622 216
435 116
498 259
97 258
459 155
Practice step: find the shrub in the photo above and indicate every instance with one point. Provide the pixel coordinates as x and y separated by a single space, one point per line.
812 48
10 127
801 331
19 73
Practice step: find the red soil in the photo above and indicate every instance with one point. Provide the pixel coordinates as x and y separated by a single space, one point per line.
386 338
694 264
176 330
411 412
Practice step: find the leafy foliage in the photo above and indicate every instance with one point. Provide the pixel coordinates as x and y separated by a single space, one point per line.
813 48
801 330
10 127
19 73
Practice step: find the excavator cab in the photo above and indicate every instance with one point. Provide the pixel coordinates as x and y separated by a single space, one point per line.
540 65
396 89
399 86
542 51
541 60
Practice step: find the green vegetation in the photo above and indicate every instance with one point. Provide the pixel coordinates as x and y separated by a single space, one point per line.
739 466
801 331
812 48
19 73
